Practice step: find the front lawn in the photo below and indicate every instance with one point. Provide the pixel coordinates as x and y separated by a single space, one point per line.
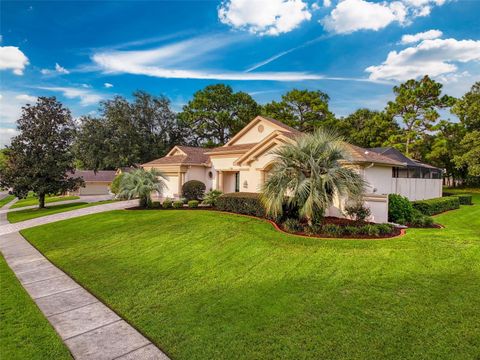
33 200
24 332
27 214
6 200
204 285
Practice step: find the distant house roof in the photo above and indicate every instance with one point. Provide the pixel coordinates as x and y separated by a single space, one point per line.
91 176
360 154
395 154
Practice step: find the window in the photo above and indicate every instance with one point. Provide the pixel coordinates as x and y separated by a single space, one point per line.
210 175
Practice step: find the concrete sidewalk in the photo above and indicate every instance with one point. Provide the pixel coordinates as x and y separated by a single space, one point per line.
89 329
7 228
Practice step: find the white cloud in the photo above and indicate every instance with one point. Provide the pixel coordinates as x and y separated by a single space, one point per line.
427 35
6 134
180 60
327 3
433 57
58 69
108 85
11 57
271 17
86 97
86 86
353 15
26 98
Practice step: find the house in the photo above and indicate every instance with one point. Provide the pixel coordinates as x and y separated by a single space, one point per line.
96 183
243 164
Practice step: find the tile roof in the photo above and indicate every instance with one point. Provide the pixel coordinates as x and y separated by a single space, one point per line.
395 154
90 175
194 155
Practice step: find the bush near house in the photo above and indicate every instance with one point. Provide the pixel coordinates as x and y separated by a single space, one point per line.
358 211
464 199
241 203
193 190
436 206
115 185
211 197
167 204
193 204
177 204
400 209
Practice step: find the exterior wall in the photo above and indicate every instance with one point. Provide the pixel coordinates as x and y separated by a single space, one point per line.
199 173
417 189
254 135
93 188
379 179
172 187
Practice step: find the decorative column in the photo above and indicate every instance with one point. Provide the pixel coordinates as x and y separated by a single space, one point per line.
181 180
262 177
220 181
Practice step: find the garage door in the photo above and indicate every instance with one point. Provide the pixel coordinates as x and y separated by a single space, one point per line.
94 189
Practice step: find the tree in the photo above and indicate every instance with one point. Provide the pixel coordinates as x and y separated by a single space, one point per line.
40 157
127 133
216 113
141 183
470 153
467 108
416 105
368 128
311 173
303 110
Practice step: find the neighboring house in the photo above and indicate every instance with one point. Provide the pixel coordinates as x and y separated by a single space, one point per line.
96 183
244 162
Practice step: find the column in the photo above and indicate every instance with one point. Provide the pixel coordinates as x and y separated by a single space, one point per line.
220 181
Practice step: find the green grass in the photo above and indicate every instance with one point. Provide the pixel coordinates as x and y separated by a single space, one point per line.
24 332
6 200
204 285
33 200
27 214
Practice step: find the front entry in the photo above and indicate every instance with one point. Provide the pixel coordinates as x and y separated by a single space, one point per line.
237 182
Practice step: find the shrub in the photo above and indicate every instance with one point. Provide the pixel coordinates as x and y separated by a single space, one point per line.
313 229
292 225
177 204
193 190
156 205
351 230
167 204
241 203
384 229
211 197
358 211
436 206
464 199
115 185
193 204
370 230
332 230
399 209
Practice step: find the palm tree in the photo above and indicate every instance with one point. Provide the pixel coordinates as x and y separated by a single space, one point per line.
141 183
311 174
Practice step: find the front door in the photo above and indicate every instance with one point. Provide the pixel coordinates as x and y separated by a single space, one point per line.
237 182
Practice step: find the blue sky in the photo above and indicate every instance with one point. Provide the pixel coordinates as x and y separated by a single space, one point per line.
354 50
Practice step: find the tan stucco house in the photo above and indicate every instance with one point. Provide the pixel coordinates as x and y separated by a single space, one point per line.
242 165
96 183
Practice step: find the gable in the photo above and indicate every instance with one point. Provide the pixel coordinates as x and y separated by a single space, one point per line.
255 131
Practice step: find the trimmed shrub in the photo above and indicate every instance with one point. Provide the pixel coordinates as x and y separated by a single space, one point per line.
332 230
211 197
156 205
193 204
399 209
370 230
436 206
420 220
177 204
167 204
193 190
351 230
358 211
292 225
464 199
115 185
241 203
384 229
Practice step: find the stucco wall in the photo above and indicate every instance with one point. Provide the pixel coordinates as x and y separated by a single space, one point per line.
172 186
254 135
379 179
93 188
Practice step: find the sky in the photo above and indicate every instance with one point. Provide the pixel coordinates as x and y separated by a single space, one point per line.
354 50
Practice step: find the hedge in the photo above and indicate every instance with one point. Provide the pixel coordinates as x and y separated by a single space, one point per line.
400 209
436 206
241 203
464 199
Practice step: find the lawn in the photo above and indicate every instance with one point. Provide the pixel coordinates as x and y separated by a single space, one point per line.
32 200
6 200
25 333
27 214
205 285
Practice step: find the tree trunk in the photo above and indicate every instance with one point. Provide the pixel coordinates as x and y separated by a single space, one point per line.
41 201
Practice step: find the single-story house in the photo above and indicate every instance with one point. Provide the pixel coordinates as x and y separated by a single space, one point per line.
243 164
96 183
